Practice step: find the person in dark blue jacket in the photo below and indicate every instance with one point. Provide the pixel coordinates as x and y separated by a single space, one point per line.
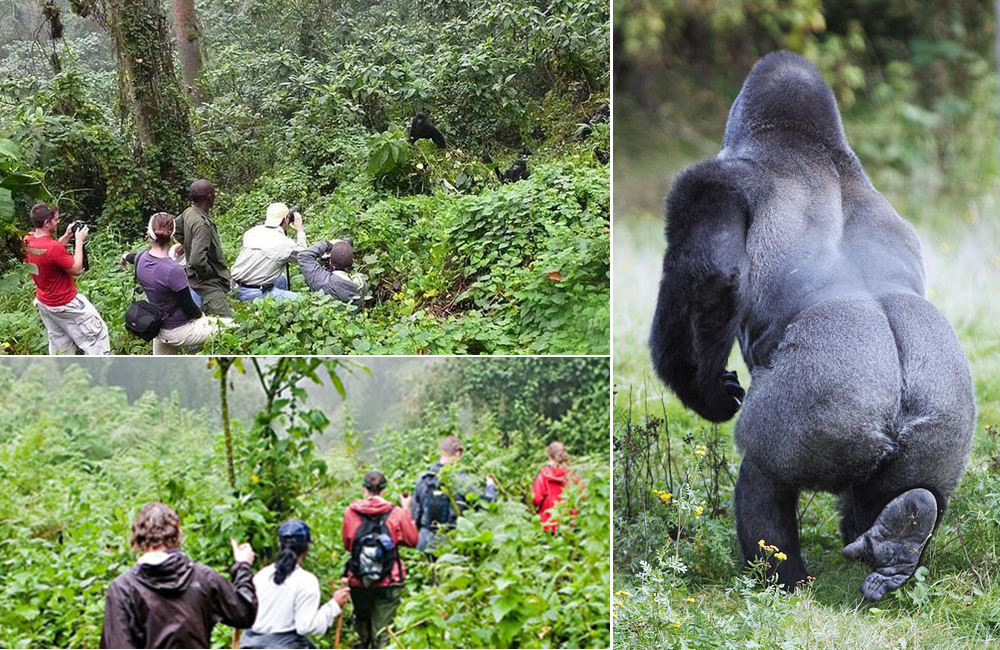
434 508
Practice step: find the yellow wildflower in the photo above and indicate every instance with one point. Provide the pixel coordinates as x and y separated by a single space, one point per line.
254 478
760 543
690 600
622 593
780 556
698 511
614 614
617 604
677 623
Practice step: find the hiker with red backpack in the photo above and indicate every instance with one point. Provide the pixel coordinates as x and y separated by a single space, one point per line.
550 484
373 531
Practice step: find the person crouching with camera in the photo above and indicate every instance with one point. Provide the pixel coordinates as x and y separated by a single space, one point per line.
334 277
71 321
259 269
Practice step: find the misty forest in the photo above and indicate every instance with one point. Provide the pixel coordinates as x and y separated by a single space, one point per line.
239 445
491 235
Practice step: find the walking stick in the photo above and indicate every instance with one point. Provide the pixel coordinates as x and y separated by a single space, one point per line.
340 625
237 635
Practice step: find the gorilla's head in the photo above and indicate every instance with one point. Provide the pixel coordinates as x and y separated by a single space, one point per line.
785 94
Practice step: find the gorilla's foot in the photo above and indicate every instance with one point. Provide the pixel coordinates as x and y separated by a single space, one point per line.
893 545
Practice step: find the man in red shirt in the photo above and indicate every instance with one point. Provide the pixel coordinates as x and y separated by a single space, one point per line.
70 320
375 600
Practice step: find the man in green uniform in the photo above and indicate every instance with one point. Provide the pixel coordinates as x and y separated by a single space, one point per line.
207 271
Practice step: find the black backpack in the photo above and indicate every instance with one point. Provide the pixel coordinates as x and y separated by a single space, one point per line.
373 552
436 505
141 318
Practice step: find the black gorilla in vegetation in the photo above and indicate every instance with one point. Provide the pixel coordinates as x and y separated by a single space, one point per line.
859 385
601 115
421 129
602 157
518 171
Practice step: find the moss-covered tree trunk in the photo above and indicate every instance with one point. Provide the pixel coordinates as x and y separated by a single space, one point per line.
150 100
148 85
188 48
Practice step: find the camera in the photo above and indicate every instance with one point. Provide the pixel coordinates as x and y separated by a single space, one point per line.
76 225
292 211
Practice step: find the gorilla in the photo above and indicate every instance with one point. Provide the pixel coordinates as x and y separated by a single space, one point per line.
859 386
518 171
421 128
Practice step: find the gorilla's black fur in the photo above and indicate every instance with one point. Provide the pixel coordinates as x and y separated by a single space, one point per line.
518 171
859 386
421 128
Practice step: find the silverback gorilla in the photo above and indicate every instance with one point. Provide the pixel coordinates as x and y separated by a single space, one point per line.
859 386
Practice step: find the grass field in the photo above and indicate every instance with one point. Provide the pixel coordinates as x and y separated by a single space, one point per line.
688 593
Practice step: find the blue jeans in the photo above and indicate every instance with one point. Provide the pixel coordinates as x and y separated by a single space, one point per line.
279 291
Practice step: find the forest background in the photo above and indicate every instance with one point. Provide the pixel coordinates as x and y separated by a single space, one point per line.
917 87
112 110
84 443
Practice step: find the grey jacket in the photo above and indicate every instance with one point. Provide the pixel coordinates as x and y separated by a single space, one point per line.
319 278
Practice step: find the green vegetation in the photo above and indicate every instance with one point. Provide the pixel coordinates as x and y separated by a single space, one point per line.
922 116
310 106
78 458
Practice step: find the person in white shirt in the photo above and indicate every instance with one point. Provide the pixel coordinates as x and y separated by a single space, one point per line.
289 598
259 269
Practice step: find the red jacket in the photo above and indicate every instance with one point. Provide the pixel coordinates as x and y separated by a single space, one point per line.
401 529
548 491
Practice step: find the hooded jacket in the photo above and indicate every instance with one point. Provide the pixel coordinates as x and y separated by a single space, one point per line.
167 600
401 529
547 491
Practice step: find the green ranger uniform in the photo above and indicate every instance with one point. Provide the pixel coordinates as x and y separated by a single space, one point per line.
207 271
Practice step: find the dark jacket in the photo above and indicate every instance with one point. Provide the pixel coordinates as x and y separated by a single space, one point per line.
401 529
202 247
465 487
320 278
175 604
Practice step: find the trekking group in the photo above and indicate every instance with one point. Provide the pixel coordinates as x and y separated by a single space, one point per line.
167 600
186 283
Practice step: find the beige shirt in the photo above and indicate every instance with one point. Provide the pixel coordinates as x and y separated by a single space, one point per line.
264 255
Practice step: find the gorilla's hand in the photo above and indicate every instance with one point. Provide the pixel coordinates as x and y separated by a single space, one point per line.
725 397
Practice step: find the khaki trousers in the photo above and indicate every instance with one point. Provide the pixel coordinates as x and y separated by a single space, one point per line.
75 325
191 333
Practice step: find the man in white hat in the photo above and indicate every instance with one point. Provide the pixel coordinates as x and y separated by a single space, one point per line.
259 269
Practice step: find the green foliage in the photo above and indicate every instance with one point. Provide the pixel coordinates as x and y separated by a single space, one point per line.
78 459
564 399
17 182
310 106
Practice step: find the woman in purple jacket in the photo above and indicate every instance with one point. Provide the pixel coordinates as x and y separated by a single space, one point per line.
166 286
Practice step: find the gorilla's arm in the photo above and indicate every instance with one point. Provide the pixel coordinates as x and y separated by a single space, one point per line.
699 306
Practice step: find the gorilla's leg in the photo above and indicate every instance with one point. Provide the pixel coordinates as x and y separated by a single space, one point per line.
766 510
888 517
893 545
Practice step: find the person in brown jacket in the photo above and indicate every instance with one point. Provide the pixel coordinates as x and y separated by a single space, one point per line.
373 530
167 600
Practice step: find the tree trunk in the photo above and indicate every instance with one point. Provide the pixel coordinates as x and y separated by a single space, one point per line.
224 364
150 97
186 33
